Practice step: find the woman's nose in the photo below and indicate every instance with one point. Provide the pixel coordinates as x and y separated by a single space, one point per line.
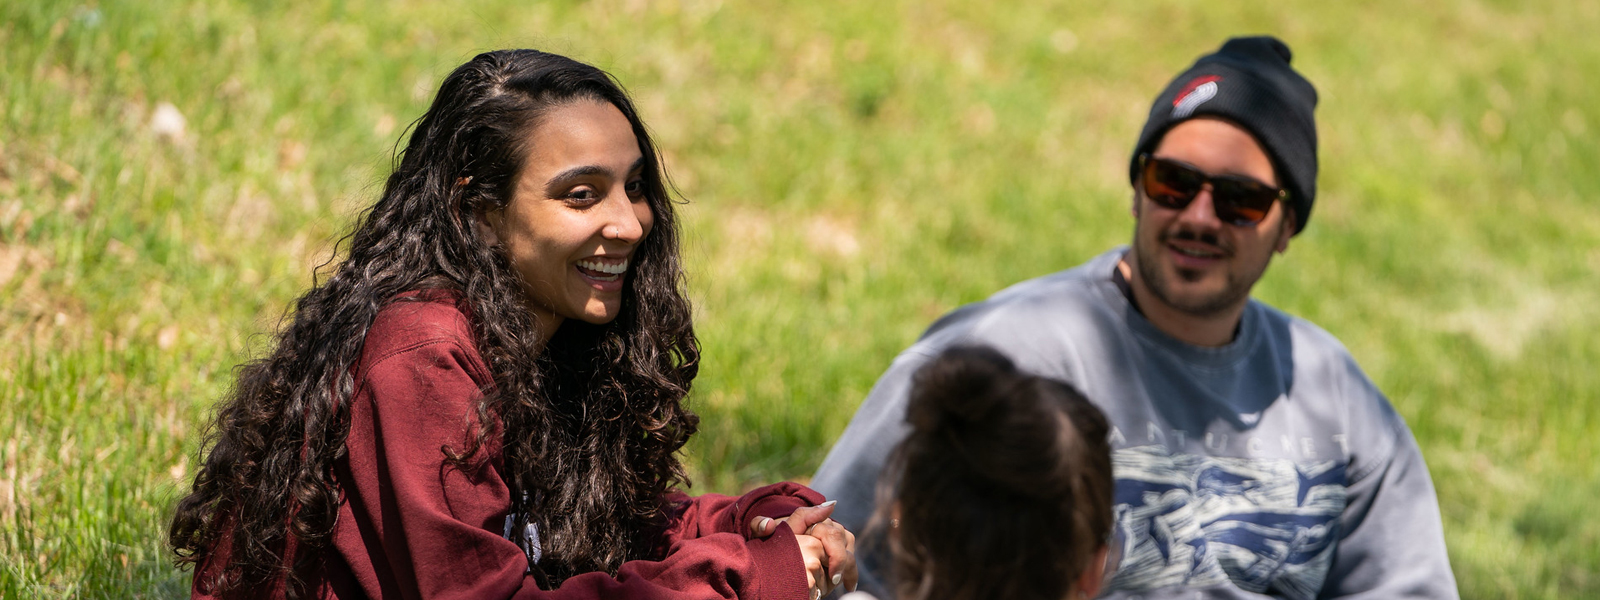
623 222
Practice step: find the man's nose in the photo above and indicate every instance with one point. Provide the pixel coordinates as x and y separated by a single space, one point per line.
1201 211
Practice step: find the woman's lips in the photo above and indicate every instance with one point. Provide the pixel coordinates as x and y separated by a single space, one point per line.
603 274
604 265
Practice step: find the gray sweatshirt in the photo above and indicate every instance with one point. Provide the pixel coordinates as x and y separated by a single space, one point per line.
1268 468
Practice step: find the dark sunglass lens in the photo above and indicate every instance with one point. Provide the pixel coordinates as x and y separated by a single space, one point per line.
1171 185
1242 202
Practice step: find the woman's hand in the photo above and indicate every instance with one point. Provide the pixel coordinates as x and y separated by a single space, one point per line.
840 546
827 547
815 557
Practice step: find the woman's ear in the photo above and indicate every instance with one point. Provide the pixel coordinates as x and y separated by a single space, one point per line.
488 222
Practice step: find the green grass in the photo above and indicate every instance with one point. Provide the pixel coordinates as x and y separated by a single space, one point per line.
854 170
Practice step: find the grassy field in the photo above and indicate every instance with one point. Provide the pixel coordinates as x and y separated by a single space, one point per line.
171 172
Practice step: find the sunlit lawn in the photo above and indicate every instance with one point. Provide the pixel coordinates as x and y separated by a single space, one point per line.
853 170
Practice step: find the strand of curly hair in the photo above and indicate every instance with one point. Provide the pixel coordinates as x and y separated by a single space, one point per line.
586 425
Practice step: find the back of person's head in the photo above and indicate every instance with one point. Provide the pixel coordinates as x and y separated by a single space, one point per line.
1001 490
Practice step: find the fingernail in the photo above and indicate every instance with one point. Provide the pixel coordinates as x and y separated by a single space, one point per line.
765 521
816 594
827 504
838 578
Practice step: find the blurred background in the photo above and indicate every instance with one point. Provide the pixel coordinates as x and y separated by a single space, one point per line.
171 174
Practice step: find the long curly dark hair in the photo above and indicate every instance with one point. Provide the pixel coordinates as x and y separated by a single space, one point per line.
587 424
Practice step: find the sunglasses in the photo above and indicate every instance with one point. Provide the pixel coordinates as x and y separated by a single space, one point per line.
1237 199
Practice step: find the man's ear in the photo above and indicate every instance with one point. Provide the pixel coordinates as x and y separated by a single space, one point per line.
488 222
1286 230
1135 208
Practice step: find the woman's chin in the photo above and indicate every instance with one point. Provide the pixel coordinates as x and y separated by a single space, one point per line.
600 313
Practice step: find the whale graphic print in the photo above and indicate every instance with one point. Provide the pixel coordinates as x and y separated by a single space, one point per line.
1268 525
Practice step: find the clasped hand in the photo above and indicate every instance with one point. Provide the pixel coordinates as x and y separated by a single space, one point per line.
828 548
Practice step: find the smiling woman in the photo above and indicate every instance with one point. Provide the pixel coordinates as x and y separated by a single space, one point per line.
577 213
484 400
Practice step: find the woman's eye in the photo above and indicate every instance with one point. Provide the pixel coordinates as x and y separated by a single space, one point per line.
635 188
582 196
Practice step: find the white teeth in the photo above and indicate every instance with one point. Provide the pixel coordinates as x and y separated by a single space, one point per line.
609 269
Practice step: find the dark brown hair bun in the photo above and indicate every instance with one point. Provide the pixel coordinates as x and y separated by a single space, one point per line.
1002 489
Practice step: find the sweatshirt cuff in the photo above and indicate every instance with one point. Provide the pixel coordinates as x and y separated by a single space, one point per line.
775 501
780 570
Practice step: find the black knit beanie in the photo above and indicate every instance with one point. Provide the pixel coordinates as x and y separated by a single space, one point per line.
1248 81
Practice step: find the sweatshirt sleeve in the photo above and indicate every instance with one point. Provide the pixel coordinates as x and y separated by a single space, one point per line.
715 513
1391 540
424 528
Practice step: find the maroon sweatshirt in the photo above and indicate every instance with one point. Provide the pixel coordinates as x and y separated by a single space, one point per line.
414 526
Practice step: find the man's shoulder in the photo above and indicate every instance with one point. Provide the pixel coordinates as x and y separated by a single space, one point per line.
1063 296
1312 346
1324 368
1076 283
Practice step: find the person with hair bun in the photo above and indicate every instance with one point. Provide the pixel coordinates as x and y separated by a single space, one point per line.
484 400
1001 488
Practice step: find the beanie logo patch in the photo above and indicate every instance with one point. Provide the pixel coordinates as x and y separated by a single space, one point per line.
1194 94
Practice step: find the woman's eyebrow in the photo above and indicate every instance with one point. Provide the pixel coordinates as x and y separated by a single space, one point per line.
588 170
576 172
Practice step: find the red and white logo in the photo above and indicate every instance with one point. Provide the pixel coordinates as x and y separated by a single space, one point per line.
1197 92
